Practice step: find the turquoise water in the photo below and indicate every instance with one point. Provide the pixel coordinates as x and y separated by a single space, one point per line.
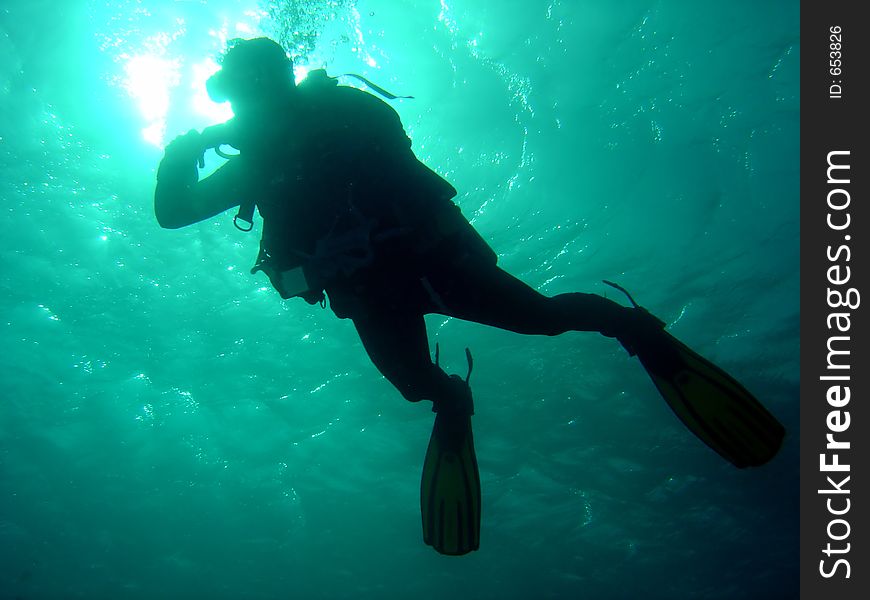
169 428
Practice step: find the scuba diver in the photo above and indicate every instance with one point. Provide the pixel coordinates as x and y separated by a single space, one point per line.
351 214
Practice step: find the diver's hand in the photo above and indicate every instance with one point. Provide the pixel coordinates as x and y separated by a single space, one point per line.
215 136
180 198
176 177
181 158
187 148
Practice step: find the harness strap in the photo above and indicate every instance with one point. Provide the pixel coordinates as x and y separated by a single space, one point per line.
375 87
245 214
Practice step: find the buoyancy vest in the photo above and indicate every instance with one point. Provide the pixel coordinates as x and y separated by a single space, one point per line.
342 179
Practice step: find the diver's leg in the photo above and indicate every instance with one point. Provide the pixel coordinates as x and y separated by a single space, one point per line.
397 343
492 296
450 496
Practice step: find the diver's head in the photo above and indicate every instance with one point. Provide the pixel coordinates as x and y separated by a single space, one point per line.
252 72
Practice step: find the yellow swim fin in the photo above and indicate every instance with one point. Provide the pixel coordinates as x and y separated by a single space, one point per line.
450 487
713 405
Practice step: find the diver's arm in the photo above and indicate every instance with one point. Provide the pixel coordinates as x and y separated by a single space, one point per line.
180 198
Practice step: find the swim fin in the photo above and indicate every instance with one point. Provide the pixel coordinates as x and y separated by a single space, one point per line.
711 403
450 487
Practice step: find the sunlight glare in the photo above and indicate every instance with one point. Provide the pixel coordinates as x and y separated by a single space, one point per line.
149 81
300 72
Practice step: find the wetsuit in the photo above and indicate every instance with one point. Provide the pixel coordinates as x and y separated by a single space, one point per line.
344 199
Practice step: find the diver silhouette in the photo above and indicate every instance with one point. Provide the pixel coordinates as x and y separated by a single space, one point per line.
351 214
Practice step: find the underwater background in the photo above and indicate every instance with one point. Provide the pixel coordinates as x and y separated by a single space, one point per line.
170 428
